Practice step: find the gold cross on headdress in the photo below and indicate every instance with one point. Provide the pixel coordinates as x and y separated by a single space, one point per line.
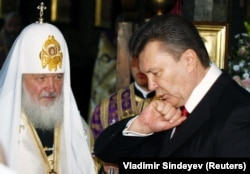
41 8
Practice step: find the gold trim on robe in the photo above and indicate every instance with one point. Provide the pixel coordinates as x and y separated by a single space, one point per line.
50 162
136 103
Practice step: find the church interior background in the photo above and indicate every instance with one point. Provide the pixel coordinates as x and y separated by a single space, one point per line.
83 21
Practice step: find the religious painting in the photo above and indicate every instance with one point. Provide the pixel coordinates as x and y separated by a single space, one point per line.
103 12
215 36
210 10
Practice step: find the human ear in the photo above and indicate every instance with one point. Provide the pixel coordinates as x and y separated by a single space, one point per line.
190 59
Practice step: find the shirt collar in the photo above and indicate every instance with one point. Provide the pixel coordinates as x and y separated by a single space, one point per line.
202 88
143 91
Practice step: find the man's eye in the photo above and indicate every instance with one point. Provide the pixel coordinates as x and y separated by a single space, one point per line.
59 77
155 73
41 78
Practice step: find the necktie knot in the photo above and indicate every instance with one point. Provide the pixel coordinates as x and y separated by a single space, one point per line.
184 111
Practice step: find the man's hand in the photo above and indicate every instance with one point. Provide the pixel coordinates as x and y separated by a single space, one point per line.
158 116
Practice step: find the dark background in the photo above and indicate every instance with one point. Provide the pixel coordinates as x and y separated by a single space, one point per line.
77 23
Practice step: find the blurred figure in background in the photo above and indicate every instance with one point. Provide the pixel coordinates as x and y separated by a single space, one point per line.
124 103
104 74
10 30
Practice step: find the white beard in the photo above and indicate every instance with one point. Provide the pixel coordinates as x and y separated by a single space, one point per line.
42 117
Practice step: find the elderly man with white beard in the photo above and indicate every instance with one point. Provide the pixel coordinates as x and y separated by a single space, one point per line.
41 129
42 101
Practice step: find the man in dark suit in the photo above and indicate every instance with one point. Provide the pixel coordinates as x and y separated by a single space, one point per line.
175 60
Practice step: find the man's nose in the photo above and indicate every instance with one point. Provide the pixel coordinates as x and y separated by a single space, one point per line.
51 85
152 85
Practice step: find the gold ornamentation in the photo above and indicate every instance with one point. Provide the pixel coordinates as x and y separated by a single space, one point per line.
52 172
50 162
160 6
137 105
21 128
51 54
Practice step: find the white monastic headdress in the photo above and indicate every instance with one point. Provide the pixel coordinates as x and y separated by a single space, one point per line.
41 48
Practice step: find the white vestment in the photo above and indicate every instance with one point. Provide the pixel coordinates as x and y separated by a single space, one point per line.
76 157
5 170
31 158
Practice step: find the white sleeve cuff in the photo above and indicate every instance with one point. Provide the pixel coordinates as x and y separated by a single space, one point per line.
125 132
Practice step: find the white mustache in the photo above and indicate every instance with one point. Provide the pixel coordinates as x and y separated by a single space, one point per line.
48 95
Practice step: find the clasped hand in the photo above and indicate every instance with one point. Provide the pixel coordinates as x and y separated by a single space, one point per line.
158 116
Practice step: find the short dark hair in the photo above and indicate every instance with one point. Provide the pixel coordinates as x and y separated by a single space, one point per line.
174 31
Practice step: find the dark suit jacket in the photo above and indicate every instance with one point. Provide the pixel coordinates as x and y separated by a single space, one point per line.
219 126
